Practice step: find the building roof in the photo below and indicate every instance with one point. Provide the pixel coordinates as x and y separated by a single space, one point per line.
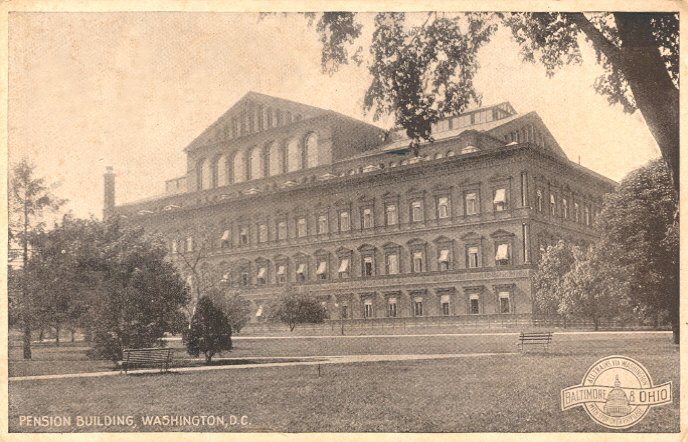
251 98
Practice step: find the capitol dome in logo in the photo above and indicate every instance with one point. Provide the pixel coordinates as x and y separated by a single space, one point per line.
617 401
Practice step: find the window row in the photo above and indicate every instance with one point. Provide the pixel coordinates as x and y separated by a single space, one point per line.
258 162
256 118
562 207
392 259
341 221
425 305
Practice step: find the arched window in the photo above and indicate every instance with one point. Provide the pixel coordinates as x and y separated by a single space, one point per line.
222 171
205 174
274 157
312 150
256 160
239 167
294 155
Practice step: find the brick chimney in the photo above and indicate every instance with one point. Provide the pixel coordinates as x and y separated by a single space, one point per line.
109 192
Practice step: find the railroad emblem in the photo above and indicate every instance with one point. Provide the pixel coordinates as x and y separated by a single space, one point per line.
617 392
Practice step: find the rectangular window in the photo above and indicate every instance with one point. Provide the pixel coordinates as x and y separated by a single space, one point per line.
263 233
281 273
344 224
189 244
416 211
282 230
322 269
471 203
392 307
417 262
576 212
444 304
173 246
243 236
443 207
225 239
344 268
345 311
499 200
504 302
368 266
391 217
244 278
392 264
443 259
367 218
552 205
587 216
565 208
368 309
301 230
502 255
474 305
473 258
418 306
539 200
301 273
322 224
261 277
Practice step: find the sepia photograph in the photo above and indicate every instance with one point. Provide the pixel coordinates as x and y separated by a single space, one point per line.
349 220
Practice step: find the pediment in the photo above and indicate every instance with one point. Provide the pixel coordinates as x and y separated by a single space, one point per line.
500 233
471 235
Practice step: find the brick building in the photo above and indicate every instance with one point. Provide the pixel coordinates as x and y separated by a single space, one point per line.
277 192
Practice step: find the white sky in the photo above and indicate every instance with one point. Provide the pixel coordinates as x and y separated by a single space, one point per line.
131 90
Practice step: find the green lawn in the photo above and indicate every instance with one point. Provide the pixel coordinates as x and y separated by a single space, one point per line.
491 393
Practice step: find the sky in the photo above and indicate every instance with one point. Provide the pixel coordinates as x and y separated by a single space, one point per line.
131 90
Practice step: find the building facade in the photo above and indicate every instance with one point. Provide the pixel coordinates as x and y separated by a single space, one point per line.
280 194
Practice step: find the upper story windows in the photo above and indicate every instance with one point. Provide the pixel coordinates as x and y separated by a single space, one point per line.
301 227
417 211
344 221
322 225
294 155
367 221
391 214
255 162
471 202
538 200
552 204
499 199
443 210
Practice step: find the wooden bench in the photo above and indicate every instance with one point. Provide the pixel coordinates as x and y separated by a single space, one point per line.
146 357
534 338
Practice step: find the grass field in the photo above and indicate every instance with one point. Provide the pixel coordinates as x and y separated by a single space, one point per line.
515 393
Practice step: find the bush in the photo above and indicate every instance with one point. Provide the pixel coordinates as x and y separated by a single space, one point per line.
209 332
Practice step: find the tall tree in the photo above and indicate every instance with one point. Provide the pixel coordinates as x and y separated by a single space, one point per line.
423 70
29 199
139 294
548 278
593 288
640 237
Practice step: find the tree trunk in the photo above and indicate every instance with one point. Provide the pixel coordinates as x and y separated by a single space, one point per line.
596 322
208 358
655 94
41 332
72 331
57 335
27 340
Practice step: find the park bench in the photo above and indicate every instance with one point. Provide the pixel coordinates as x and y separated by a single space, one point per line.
146 357
534 338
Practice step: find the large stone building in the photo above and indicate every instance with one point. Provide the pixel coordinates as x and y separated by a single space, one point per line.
278 193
